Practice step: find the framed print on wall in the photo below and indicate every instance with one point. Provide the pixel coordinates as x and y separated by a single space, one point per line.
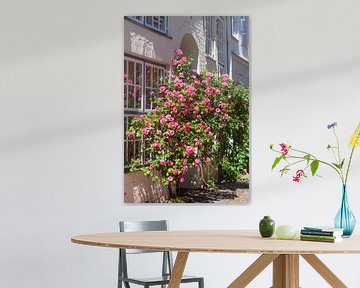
186 109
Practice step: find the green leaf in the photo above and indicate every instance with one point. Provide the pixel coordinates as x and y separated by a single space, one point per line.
307 157
314 166
276 161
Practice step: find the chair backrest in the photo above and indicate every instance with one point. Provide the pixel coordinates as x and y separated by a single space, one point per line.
134 226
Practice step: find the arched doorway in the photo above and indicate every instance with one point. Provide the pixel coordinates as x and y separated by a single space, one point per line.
190 49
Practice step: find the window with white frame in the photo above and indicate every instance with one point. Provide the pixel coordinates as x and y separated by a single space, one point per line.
210 35
141 84
220 40
235 26
244 30
158 23
134 147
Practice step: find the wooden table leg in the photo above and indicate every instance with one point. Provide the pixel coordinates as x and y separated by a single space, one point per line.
286 271
178 269
253 270
324 271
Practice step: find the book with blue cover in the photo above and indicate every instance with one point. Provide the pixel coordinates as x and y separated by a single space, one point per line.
321 234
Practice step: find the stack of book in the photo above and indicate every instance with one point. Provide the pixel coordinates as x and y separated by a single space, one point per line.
321 234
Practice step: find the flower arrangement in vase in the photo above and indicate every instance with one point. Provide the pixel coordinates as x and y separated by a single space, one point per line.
293 157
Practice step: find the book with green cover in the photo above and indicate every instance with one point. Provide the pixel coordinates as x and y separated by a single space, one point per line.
325 240
319 236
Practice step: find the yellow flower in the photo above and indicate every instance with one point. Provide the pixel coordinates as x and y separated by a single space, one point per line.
355 137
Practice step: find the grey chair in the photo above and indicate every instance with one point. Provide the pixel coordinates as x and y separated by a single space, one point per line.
167 262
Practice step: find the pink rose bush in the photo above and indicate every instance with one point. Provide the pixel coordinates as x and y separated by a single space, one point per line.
193 123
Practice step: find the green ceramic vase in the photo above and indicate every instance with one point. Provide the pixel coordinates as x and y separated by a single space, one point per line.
266 227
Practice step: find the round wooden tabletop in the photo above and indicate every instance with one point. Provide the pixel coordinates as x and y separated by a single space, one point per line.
220 241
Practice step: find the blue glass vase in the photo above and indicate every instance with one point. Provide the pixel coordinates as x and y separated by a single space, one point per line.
345 219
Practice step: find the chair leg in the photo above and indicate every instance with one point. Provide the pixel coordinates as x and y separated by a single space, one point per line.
201 283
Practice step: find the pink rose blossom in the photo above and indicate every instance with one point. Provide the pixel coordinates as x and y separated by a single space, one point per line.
207 159
217 110
224 85
170 163
162 88
189 150
224 77
170 132
182 180
185 169
156 145
170 178
179 52
131 135
158 132
169 118
175 172
197 162
145 131
226 116
162 162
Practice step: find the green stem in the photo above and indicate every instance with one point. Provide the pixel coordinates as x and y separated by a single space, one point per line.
348 167
338 146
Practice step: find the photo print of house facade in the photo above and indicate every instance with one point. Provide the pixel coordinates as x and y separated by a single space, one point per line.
186 109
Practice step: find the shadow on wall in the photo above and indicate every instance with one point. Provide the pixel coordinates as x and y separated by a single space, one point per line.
139 189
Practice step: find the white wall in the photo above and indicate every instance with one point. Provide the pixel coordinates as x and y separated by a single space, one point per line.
61 125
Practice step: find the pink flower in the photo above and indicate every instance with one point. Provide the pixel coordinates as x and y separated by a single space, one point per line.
182 180
156 145
183 60
191 90
224 85
162 88
148 123
179 52
145 131
170 163
162 162
174 62
185 169
208 91
217 110
300 174
197 82
181 75
189 150
163 121
174 110
224 77
151 167
170 178
175 172
158 132
226 116
170 133
169 118
284 148
131 134
169 103
185 112
197 162
206 101
222 105
184 161
207 159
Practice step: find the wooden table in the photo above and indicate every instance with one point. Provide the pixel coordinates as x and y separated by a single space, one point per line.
284 254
